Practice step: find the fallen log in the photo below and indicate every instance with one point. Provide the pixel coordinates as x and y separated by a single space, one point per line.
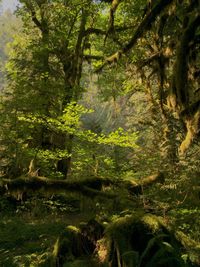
137 187
92 186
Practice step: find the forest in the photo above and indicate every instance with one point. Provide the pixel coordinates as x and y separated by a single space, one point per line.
100 133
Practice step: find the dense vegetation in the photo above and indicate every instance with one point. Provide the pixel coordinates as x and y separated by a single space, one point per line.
100 120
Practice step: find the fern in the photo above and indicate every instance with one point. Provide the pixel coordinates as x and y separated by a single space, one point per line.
130 258
149 246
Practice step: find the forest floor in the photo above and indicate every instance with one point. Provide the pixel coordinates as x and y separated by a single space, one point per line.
29 230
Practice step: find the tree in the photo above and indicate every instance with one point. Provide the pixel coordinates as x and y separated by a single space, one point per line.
54 54
176 74
44 73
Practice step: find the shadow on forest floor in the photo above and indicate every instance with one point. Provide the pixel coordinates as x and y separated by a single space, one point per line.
28 231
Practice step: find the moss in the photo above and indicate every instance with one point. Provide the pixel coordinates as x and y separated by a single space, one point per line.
181 64
66 246
172 101
56 248
120 227
73 229
192 125
124 225
139 239
152 222
186 241
90 187
102 250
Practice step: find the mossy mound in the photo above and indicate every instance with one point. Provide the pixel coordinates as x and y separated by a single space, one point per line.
142 241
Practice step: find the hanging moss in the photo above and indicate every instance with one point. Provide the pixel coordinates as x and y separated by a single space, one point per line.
143 27
181 64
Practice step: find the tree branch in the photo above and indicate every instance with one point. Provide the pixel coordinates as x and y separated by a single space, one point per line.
114 6
142 28
90 57
33 15
98 31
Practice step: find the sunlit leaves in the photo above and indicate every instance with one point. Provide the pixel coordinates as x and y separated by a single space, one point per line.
119 138
70 123
52 154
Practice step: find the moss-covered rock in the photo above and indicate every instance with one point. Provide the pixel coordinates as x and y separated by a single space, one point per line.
142 240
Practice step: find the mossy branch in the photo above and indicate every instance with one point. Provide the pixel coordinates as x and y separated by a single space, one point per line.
98 31
114 6
143 27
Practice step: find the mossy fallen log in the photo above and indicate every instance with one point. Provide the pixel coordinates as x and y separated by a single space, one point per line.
137 187
91 187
